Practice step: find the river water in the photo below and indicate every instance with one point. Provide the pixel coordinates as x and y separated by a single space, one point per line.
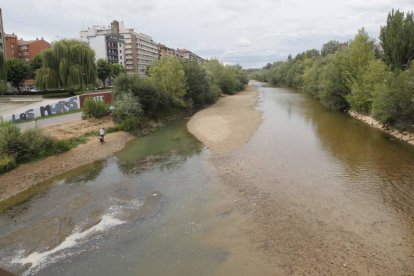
314 191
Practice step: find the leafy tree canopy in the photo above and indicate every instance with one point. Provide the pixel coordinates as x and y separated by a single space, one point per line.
68 64
17 72
397 40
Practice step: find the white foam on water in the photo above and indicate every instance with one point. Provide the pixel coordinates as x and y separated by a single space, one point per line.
36 259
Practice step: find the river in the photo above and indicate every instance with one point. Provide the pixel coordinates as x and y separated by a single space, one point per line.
314 191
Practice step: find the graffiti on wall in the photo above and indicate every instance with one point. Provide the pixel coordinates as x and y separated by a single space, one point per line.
62 106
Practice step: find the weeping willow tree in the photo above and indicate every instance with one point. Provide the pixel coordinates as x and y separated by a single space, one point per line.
68 64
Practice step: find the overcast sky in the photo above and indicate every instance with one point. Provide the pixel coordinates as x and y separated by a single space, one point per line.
247 32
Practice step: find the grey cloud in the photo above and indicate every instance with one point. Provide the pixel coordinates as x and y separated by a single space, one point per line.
248 32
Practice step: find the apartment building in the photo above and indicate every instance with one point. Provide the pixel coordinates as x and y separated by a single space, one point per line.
178 53
26 50
186 54
139 49
148 52
2 41
167 52
11 50
110 47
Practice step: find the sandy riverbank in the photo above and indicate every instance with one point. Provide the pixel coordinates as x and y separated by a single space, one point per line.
78 128
228 124
29 175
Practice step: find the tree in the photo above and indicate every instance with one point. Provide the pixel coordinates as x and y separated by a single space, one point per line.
333 82
198 87
3 74
104 69
363 90
17 72
116 70
394 102
397 40
35 64
68 64
143 89
330 47
169 76
3 68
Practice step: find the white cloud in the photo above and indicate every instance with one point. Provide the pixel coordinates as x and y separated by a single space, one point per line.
247 32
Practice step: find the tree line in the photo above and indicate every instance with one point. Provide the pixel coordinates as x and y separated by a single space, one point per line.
372 79
172 86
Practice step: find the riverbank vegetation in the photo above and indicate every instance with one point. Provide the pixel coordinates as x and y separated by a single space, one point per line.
173 88
18 147
359 75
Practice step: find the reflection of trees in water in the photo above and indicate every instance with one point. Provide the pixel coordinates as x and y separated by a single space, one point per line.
165 148
86 173
165 161
169 159
373 162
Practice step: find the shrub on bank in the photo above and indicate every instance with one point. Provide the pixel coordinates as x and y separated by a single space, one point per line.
95 109
7 163
11 143
32 144
137 125
126 105
37 144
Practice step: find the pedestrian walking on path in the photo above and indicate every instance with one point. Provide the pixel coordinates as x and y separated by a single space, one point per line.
102 135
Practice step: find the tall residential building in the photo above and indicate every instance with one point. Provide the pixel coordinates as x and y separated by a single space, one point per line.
139 49
178 53
147 52
167 52
21 49
186 54
110 47
2 42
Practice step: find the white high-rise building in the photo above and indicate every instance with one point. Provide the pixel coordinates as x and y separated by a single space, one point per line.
139 50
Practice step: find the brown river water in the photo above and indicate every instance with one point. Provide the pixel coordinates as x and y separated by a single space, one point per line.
313 192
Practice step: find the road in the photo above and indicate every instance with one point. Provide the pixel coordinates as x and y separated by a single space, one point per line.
54 120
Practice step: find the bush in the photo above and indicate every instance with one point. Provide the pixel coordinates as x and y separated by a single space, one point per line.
126 105
11 143
37 144
7 163
96 109
61 146
135 125
142 89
